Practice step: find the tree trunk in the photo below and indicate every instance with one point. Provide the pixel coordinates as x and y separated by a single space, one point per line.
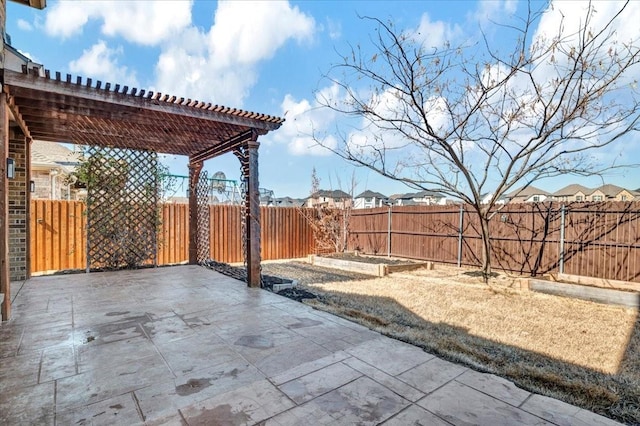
486 248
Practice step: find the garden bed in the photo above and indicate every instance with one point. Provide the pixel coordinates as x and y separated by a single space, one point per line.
369 265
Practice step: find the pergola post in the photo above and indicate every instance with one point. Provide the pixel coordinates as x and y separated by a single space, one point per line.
5 284
247 154
252 214
194 177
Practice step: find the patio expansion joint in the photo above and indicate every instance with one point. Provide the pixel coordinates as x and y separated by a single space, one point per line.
24 328
453 379
413 404
155 347
137 405
488 394
55 402
295 404
40 365
527 399
271 379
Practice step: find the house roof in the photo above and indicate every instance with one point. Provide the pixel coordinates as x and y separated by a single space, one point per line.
336 193
427 193
527 191
288 202
370 194
50 154
81 111
572 189
419 194
609 190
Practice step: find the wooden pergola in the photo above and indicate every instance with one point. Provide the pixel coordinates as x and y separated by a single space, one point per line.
52 107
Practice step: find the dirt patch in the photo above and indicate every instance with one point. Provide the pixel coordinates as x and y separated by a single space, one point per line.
584 353
311 274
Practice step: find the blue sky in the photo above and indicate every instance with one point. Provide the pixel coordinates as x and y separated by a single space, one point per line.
261 56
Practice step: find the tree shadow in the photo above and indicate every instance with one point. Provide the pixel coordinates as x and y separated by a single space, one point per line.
614 395
599 239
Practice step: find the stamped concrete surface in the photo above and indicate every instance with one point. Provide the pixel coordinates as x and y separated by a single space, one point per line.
186 345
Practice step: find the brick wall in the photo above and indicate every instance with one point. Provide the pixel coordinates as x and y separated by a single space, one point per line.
18 206
42 181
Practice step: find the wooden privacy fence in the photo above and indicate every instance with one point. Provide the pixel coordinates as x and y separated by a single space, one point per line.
58 234
600 240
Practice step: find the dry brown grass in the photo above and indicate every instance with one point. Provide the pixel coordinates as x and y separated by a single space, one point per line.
584 353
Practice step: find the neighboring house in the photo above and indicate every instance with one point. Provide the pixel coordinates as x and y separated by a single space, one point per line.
528 194
14 60
485 198
52 172
579 193
369 199
289 202
573 192
335 198
421 198
611 193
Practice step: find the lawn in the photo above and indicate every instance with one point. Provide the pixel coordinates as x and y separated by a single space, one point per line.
584 353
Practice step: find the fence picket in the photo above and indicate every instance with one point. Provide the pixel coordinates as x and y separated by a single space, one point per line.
58 234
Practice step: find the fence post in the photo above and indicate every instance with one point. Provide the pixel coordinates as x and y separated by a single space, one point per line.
389 232
561 261
460 236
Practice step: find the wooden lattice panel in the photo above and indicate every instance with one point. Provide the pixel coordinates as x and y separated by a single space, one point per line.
122 207
203 193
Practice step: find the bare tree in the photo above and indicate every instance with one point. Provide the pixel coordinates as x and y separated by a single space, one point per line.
330 224
469 120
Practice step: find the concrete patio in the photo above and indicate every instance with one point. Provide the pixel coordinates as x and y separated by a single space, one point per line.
186 345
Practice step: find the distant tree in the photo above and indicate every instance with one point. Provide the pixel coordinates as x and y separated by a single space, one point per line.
330 224
315 182
469 120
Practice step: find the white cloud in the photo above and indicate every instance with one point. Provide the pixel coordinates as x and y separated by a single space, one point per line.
334 29
30 56
221 65
101 62
572 15
143 22
24 25
490 11
248 32
435 33
306 121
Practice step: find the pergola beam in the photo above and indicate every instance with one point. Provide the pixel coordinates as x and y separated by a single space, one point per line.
29 86
224 147
15 111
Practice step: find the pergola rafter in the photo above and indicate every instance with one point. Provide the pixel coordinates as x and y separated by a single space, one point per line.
65 111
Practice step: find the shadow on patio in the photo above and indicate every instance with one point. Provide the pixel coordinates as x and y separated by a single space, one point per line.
186 345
